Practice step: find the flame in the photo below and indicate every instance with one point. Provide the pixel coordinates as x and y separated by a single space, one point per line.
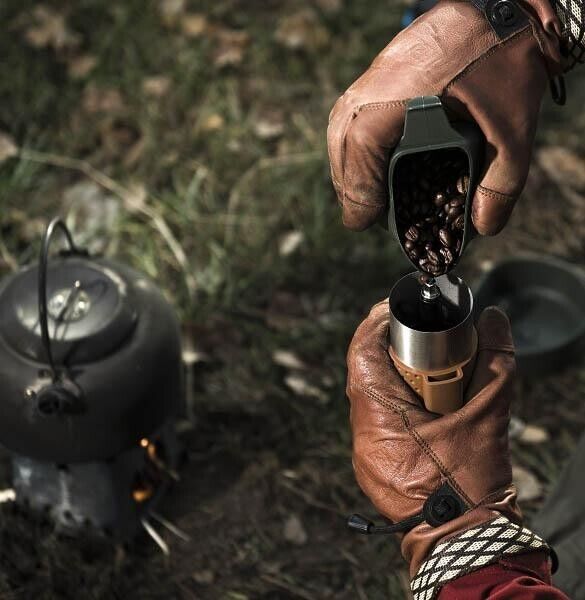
141 494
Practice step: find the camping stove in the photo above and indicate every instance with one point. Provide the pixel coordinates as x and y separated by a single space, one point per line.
116 496
90 386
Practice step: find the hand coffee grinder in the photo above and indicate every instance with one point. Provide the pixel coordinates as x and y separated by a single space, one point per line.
433 340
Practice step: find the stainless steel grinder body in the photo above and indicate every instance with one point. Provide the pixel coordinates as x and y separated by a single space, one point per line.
433 344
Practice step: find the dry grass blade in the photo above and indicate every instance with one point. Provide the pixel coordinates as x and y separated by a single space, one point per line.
261 165
127 195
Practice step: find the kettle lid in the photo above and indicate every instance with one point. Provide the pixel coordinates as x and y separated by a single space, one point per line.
90 309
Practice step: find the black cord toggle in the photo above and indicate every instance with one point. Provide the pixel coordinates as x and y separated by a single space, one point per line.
442 506
366 527
558 90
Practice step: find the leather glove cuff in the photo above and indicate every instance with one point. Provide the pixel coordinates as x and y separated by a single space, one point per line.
471 550
561 20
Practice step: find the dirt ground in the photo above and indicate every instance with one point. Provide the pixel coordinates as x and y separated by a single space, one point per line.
209 117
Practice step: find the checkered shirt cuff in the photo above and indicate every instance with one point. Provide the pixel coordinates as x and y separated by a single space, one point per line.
472 550
572 16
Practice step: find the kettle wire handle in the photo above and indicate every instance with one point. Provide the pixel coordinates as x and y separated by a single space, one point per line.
56 223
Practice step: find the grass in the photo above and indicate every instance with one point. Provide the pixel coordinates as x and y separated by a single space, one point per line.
228 194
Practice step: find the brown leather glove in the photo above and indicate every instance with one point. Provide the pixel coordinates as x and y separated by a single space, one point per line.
451 51
403 454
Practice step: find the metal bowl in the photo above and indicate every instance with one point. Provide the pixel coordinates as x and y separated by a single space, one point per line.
545 300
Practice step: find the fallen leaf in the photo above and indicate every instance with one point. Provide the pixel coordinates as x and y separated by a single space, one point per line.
194 25
563 166
156 86
170 11
529 488
192 357
515 427
329 6
205 577
269 126
294 531
301 31
8 147
81 66
290 242
231 47
301 387
212 123
7 495
288 360
532 434
290 474
102 99
49 29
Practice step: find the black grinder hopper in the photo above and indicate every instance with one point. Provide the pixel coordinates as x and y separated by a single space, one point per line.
428 131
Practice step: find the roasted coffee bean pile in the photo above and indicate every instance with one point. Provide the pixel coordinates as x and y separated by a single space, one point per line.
429 201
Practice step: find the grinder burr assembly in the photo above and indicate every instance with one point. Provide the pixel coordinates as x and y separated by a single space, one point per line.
432 178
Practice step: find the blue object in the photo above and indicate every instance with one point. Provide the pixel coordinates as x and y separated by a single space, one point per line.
415 11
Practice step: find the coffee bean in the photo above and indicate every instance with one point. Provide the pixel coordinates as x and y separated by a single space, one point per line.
433 256
412 233
429 207
440 199
446 238
459 223
463 184
424 263
447 255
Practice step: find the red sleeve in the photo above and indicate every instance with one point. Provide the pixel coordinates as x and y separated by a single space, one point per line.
522 577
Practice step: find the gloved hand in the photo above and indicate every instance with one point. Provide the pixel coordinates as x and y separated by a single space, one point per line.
403 454
451 51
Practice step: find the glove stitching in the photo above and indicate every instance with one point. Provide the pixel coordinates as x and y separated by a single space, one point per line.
540 39
375 204
496 195
526 32
343 149
492 496
428 450
381 105
424 446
